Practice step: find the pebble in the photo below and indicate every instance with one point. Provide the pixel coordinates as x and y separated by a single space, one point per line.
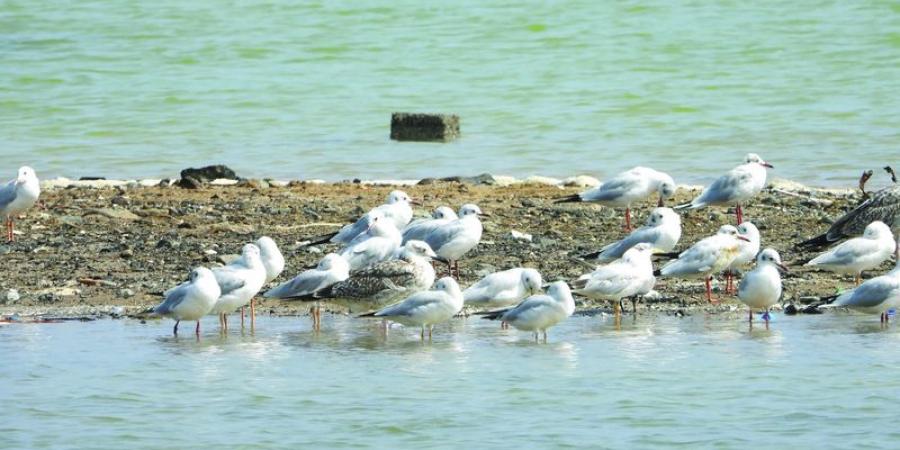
12 296
519 236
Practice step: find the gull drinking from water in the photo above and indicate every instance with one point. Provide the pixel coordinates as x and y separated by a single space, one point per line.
191 300
629 276
330 270
454 239
426 308
419 229
708 256
761 287
17 196
504 288
539 312
626 188
239 281
662 231
858 254
749 250
378 243
735 187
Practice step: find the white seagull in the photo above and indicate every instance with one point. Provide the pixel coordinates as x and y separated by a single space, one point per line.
876 295
273 261
540 312
626 188
426 308
191 300
749 250
708 256
397 210
853 256
735 187
629 276
418 229
17 196
378 243
761 287
454 239
662 231
330 270
504 288
239 281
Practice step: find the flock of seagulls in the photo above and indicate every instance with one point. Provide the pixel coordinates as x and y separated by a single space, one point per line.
385 266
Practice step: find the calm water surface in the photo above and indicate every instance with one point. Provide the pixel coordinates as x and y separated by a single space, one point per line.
305 89
809 382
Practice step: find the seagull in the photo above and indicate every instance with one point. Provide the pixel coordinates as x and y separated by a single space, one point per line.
454 239
383 283
662 231
420 228
626 277
539 312
626 188
239 281
18 195
503 289
273 261
735 187
708 256
377 244
426 308
876 295
330 270
749 250
883 205
761 287
191 300
858 254
397 209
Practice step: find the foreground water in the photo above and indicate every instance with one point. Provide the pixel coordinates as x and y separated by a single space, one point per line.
305 89
808 382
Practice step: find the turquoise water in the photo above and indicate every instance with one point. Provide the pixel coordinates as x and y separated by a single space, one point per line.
305 89
701 381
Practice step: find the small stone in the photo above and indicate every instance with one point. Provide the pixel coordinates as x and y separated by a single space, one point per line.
189 183
126 293
209 173
528 203
12 296
120 200
113 213
314 250
519 236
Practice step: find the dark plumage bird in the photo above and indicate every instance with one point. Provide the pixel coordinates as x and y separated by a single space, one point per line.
883 205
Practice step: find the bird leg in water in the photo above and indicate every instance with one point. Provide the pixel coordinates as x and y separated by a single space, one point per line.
197 330
862 183
709 290
175 330
634 299
252 316
545 336
750 316
242 317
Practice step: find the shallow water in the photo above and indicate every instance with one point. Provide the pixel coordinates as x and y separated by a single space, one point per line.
701 381
306 89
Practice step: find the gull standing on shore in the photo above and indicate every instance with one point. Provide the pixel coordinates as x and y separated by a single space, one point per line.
239 282
397 209
875 296
17 196
454 239
539 312
273 261
629 276
749 250
378 243
330 270
708 256
504 288
426 308
735 187
419 229
858 254
662 231
761 287
191 300
626 188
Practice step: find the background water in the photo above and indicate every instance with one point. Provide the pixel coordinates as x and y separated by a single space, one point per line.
808 382
305 89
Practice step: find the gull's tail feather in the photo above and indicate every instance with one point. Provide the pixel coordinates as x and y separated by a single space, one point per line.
493 315
318 240
817 242
312 297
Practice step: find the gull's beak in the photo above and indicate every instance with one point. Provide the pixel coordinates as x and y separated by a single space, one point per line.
483 215
783 267
441 259
415 202
743 238
765 164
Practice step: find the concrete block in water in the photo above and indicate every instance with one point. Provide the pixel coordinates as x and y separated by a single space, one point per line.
424 127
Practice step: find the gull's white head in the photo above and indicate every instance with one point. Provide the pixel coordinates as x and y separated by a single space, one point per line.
443 212
749 231
379 226
200 274
559 290
397 197
639 252
532 280
754 158
666 188
470 209
267 245
662 215
448 285
731 230
26 175
250 254
770 256
333 261
419 248
877 230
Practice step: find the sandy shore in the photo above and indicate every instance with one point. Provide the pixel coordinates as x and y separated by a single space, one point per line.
109 248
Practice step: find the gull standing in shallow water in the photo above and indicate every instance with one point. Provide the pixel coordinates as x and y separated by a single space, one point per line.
626 188
17 196
875 296
708 256
273 261
191 300
858 254
749 250
454 239
539 312
239 282
330 270
662 231
426 308
419 229
629 276
735 187
761 287
504 288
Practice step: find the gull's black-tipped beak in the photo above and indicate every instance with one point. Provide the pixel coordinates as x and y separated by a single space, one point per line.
415 202
743 238
441 259
783 267
767 165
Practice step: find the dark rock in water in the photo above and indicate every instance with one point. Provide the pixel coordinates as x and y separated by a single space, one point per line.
209 173
811 309
790 310
91 178
189 183
483 179
424 127
426 181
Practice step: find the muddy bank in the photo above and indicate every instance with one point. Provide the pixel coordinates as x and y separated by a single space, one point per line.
110 250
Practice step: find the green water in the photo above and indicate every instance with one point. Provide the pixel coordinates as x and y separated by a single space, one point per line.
305 89
807 382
